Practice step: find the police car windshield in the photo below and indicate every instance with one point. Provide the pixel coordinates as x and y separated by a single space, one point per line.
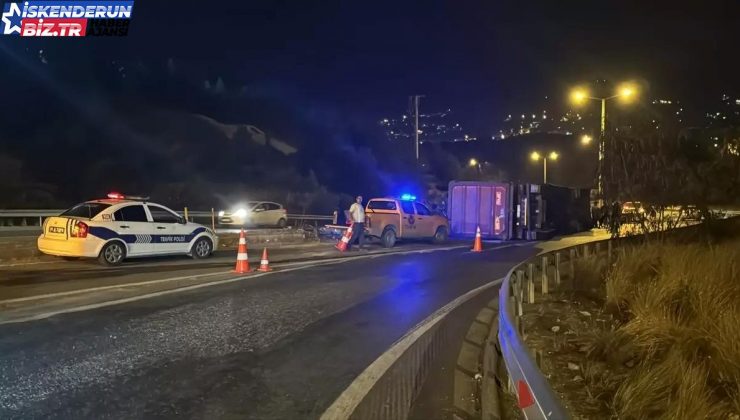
86 210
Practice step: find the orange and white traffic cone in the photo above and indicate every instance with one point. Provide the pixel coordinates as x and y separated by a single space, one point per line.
264 262
477 245
242 259
342 244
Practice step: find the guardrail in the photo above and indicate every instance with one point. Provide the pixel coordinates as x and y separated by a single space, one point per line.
535 397
543 273
35 217
522 284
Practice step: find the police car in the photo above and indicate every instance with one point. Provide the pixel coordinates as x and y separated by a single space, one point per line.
121 227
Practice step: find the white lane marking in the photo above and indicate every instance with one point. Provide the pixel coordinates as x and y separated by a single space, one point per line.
27 263
199 286
194 277
351 397
113 286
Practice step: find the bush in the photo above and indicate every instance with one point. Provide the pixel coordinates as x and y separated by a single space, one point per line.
681 314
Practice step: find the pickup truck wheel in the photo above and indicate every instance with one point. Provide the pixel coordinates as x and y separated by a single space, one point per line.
388 238
440 236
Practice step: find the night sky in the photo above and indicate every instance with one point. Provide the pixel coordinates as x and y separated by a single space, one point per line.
482 58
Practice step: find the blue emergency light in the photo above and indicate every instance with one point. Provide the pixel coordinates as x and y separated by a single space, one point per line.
408 197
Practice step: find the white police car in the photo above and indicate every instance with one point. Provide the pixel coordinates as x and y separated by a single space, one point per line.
122 227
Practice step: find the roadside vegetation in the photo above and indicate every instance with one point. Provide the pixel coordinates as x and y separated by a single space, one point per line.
654 335
675 324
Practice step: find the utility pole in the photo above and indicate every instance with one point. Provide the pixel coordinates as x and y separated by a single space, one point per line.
416 124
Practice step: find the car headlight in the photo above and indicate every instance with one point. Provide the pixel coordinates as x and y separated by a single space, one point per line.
240 213
221 213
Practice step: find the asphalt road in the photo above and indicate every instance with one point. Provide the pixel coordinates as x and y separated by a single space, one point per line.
280 346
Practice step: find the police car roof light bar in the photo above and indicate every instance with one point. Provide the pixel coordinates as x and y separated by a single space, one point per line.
408 197
119 196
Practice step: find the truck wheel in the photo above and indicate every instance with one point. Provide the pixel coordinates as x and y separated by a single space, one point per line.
388 238
440 236
112 253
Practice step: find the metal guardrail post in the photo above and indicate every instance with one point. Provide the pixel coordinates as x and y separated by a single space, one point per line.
609 251
557 269
572 265
545 286
519 293
530 283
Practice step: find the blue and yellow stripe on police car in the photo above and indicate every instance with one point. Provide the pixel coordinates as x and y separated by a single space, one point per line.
106 234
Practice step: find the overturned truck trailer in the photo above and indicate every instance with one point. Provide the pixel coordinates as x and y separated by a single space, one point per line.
516 211
487 205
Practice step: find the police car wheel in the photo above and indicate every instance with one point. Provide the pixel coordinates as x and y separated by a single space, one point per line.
201 248
112 253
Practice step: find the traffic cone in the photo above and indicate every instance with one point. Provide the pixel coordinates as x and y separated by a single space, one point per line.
242 259
342 244
477 245
264 263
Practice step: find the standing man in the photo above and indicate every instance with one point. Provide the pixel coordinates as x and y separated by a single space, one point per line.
357 213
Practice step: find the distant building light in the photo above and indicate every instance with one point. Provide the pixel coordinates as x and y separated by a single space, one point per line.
534 116
544 116
523 116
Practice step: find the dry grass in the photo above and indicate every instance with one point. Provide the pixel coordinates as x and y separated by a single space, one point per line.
678 311
590 274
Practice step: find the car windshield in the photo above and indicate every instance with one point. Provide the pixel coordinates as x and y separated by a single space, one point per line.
86 210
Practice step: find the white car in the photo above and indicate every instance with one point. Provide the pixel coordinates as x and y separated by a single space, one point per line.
255 213
120 227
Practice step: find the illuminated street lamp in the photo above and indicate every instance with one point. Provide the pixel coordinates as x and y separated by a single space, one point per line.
626 92
473 163
586 139
535 156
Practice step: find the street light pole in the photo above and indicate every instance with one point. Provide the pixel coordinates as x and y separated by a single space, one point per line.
602 149
578 96
535 156
544 170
